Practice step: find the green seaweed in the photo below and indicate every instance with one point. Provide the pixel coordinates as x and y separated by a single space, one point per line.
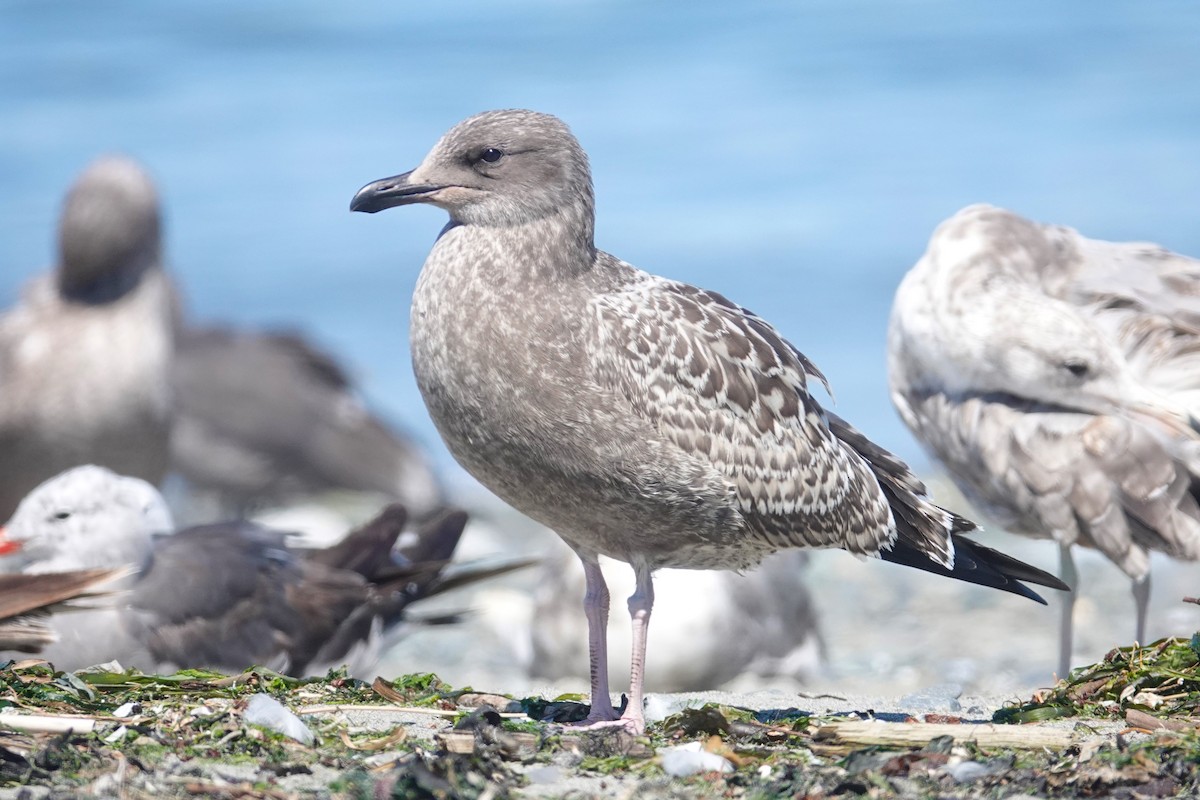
1162 678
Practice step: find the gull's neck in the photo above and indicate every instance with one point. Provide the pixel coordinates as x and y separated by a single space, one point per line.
553 247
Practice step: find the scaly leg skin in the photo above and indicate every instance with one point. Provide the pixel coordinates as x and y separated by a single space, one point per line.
1141 598
640 604
1065 631
595 608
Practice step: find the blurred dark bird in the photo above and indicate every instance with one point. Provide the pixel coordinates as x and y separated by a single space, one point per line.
638 417
229 595
85 355
1057 378
264 418
27 601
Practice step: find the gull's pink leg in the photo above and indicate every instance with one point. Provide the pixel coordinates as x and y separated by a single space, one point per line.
640 604
595 608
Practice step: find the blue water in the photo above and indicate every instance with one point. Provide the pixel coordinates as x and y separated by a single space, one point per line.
794 155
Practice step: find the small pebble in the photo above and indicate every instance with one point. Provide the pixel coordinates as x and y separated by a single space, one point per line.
127 710
267 712
688 759
660 706
966 771
546 774
939 697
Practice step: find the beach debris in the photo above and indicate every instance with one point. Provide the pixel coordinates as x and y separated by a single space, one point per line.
939 697
1162 677
267 712
918 734
688 759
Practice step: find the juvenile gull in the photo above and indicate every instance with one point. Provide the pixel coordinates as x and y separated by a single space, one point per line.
1056 377
85 356
639 418
228 595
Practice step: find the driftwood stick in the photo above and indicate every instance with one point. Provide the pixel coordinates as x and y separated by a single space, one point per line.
46 723
326 708
1147 722
390 709
920 733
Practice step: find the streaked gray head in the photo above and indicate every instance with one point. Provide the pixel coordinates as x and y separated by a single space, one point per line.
1046 350
974 316
497 169
1043 349
110 231
88 516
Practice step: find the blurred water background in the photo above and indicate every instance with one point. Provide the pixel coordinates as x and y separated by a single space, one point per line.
793 155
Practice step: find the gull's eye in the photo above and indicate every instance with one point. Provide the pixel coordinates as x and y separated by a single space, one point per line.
1077 367
491 155
62 514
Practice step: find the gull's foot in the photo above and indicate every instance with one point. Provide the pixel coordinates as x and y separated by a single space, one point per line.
630 723
605 716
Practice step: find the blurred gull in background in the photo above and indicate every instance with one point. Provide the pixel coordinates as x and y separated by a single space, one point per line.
85 355
95 367
1057 378
714 626
229 595
267 418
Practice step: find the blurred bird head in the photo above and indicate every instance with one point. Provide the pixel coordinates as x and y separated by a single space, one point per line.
109 233
85 517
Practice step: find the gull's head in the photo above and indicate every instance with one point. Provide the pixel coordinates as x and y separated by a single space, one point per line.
981 313
1050 353
85 517
110 230
498 169
1045 351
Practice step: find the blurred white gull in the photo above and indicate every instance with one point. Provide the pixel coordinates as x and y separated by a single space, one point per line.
1057 377
715 626
225 596
262 418
85 355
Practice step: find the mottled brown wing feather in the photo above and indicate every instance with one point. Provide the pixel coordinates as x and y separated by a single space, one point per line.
21 593
1101 481
720 383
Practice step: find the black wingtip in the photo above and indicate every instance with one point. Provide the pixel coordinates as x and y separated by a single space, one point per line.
981 565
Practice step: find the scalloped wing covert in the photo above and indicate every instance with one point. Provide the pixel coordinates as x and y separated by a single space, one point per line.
721 384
